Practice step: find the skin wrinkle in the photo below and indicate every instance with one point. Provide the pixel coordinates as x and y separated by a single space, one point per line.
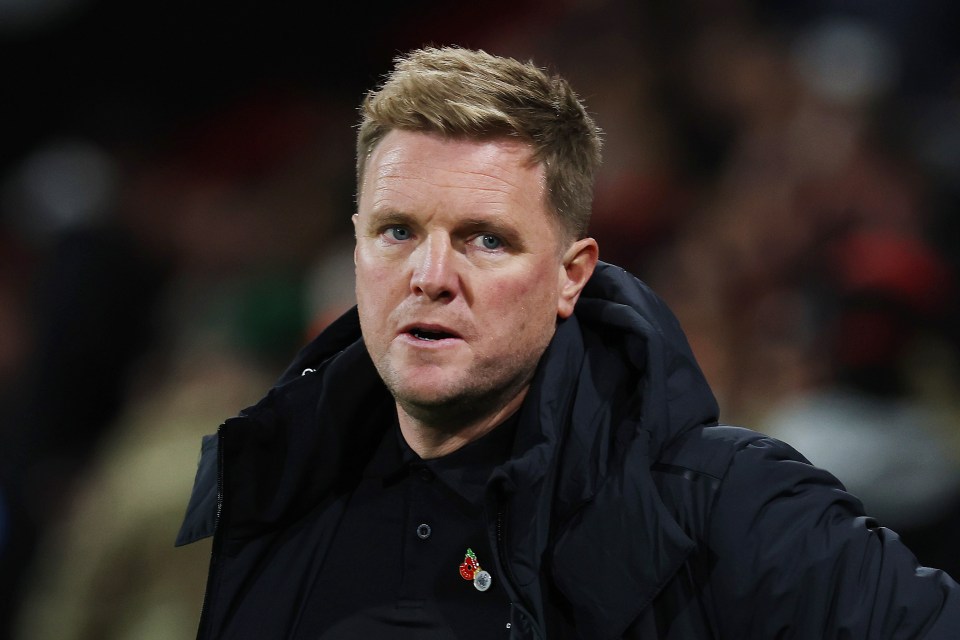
492 170
456 182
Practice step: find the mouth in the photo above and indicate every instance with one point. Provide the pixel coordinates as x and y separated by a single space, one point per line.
430 333
422 334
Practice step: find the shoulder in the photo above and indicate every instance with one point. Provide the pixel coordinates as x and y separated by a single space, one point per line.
707 454
710 476
708 450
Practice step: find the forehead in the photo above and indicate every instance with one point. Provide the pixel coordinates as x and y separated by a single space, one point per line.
409 164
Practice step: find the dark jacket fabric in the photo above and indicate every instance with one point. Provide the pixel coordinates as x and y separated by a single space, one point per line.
625 511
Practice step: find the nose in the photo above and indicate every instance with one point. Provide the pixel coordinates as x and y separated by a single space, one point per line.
434 272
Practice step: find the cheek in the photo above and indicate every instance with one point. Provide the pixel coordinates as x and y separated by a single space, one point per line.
371 286
531 300
372 276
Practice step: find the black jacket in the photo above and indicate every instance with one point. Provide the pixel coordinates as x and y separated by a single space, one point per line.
625 511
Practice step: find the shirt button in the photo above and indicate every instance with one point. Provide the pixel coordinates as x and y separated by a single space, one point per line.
424 531
425 474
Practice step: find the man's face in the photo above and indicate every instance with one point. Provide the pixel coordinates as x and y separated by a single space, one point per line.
460 272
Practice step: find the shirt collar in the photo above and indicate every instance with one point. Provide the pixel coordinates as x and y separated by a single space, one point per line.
465 471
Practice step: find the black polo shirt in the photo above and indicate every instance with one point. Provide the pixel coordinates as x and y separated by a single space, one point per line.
393 569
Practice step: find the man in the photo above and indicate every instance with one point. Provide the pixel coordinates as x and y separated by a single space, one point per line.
507 438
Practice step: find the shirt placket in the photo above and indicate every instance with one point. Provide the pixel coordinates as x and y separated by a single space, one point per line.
419 529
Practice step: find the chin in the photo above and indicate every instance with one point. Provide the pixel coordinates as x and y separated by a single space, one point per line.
425 397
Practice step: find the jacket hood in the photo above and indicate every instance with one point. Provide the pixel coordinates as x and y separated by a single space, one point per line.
676 396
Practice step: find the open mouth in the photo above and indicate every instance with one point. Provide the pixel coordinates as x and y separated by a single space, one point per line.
424 334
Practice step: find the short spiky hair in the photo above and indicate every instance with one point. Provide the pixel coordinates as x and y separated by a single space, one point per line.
465 93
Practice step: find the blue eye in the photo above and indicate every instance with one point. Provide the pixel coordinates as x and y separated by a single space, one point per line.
490 243
398 233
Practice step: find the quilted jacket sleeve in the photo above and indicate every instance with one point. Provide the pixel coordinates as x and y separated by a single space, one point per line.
796 557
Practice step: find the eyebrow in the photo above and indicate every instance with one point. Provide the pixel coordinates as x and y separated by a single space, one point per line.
389 216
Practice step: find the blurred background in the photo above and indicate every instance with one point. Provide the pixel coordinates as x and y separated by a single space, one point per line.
176 182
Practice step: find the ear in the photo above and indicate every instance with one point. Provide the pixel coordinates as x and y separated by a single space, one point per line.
575 270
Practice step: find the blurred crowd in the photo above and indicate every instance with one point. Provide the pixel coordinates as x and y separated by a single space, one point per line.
786 177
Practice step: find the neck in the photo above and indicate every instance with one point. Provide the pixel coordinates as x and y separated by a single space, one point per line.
432 440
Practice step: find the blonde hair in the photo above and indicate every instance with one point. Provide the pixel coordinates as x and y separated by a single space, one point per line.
465 93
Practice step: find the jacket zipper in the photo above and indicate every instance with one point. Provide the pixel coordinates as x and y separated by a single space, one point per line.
510 579
217 542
